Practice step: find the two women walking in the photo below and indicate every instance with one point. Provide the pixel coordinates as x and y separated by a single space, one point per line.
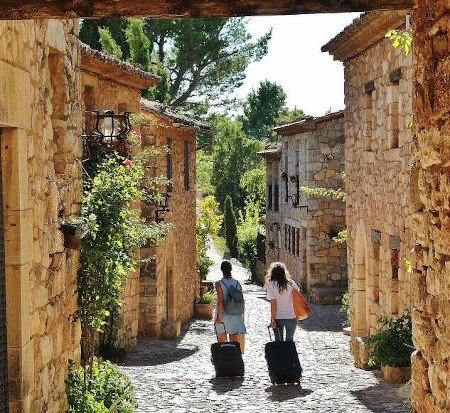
280 292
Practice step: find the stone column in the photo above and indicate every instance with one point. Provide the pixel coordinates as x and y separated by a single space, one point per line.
431 201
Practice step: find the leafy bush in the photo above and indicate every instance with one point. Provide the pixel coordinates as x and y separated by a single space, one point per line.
206 298
105 389
392 345
230 227
208 224
247 234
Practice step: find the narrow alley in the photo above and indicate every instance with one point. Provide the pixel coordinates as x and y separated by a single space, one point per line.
177 376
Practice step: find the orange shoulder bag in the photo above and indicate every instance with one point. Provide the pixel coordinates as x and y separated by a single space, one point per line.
301 306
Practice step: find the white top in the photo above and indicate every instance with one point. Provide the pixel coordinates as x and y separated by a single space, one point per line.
285 306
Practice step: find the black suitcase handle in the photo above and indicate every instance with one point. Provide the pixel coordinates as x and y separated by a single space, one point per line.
224 329
270 335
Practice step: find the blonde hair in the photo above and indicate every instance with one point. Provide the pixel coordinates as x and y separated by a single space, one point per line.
278 272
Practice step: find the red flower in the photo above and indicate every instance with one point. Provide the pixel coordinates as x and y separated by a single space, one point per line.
127 163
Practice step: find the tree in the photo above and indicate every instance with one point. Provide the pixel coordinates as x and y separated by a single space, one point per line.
139 43
206 58
230 227
253 182
264 108
233 155
108 43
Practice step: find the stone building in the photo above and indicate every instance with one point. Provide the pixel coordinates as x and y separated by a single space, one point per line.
300 228
111 84
40 126
170 283
378 164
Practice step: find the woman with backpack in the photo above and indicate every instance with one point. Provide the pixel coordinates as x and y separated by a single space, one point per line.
280 294
230 308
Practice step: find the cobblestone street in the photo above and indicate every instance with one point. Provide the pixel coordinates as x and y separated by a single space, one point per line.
177 376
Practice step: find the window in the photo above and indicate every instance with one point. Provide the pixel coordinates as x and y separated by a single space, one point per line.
293 241
269 197
187 165
376 242
394 118
369 88
394 264
298 242
169 164
277 198
286 190
289 238
285 237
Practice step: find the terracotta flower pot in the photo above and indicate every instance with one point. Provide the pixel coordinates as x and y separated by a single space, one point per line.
72 236
204 311
397 375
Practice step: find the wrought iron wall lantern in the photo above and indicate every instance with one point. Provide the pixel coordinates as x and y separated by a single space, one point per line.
162 207
107 129
296 202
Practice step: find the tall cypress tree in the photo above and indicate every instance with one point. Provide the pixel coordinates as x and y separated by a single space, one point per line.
230 227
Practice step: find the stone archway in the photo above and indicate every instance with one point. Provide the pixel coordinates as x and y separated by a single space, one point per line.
359 284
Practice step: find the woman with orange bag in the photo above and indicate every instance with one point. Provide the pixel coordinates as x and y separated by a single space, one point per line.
287 303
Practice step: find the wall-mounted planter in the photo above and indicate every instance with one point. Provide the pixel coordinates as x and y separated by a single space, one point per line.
397 375
73 234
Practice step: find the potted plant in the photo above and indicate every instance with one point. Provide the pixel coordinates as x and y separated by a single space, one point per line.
75 230
392 347
204 305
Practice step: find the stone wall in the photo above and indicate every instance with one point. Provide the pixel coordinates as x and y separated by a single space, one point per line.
378 183
170 282
300 233
41 148
431 203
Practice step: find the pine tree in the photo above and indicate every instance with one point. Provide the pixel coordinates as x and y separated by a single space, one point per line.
109 45
230 227
140 45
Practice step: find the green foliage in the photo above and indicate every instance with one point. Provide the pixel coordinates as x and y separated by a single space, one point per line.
206 298
233 155
262 109
334 194
345 308
107 256
400 40
290 115
247 233
208 224
230 227
253 183
392 345
90 35
205 166
100 388
139 43
201 60
108 43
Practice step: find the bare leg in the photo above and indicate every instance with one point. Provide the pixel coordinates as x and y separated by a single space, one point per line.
222 338
240 338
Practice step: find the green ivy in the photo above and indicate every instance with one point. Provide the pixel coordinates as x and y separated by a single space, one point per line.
400 40
118 231
334 194
392 345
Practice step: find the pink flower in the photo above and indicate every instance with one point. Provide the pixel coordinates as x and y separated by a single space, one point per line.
127 163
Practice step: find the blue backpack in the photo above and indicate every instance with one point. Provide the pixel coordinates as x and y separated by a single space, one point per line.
233 300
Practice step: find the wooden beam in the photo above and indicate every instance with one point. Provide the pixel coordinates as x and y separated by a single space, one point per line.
46 9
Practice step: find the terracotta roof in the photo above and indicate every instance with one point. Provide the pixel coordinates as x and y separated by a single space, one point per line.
306 124
363 32
175 115
111 67
271 154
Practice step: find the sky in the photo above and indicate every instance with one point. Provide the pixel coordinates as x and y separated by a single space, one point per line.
311 79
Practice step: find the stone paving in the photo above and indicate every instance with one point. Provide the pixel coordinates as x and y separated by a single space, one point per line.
177 376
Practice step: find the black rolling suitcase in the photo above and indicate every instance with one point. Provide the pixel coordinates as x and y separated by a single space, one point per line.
282 361
227 358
